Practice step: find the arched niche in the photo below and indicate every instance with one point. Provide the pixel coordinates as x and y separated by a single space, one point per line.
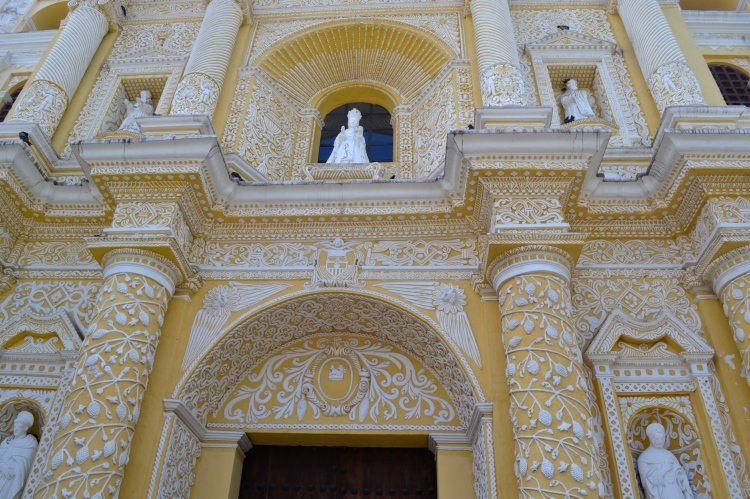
290 82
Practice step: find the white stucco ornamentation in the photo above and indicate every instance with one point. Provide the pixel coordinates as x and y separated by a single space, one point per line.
349 377
502 85
198 91
674 84
61 72
92 446
554 445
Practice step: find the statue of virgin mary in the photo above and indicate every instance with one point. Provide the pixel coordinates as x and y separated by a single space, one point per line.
350 146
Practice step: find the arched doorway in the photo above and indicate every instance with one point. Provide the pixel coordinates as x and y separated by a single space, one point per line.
328 369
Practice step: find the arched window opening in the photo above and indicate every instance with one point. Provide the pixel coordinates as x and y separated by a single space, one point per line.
5 109
733 83
377 129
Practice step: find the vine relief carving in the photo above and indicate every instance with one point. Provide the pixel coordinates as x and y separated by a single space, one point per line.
349 377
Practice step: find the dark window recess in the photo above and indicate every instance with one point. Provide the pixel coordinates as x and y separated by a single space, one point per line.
378 131
7 105
279 472
733 84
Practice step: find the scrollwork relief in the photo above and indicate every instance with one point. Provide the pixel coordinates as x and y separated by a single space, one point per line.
346 377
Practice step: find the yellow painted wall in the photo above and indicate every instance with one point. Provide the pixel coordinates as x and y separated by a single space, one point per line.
454 474
218 474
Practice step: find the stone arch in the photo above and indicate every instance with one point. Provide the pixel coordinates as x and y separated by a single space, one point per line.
10 408
250 340
394 54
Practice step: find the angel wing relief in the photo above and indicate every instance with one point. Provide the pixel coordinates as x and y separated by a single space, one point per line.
447 300
218 305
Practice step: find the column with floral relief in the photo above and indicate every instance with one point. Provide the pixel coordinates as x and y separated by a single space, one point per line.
100 412
555 452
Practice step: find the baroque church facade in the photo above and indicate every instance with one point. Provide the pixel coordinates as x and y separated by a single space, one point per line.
530 246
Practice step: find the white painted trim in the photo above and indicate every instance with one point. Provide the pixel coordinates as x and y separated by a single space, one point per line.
530 267
729 275
143 269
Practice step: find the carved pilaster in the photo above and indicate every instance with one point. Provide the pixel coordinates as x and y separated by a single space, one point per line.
198 91
98 418
552 420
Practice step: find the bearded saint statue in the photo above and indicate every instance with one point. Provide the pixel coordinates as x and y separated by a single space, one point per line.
349 146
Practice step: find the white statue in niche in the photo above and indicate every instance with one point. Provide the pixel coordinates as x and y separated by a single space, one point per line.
662 476
576 102
350 146
144 106
16 455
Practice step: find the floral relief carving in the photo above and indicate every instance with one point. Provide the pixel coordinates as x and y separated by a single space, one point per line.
502 85
238 353
43 102
196 94
56 254
342 377
630 252
532 25
638 293
156 40
674 84
554 433
527 211
422 253
98 419
258 255
267 138
736 300
432 120
46 297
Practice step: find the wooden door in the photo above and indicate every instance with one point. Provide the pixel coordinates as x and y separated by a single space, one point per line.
281 472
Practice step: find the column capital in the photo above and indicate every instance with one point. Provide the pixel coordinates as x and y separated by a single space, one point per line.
530 259
146 263
728 267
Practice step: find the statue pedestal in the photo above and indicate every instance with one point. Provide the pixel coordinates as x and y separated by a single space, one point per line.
351 171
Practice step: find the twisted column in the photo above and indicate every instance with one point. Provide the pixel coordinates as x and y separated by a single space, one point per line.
101 409
731 283
499 75
670 79
198 91
56 81
552 420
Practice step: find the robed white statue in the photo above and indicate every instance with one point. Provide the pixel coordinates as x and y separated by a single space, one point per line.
576 102
16 455
144 106
349 146
662 476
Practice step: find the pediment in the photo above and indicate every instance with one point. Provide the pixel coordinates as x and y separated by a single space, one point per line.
570 40
665 338
36 334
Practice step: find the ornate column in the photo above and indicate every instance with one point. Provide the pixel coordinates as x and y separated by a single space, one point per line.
731 283
670 79
499 74
98 417
549 394
56 81
198 91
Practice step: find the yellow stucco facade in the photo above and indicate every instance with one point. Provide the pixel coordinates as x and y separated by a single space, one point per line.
535 275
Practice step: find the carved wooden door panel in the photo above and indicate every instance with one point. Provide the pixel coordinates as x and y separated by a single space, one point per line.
281 472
